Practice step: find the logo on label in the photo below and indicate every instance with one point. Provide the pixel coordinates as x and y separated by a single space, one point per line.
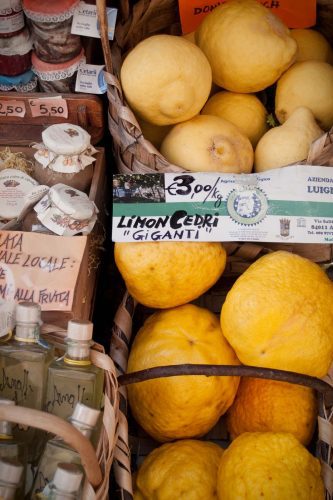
247 205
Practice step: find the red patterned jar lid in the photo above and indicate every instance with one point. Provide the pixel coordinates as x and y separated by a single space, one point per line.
45 67
49 11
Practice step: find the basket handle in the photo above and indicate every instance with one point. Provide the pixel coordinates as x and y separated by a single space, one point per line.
103 22
55 425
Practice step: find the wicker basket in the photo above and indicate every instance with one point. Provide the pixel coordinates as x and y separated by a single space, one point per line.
96 463
135 154
121 337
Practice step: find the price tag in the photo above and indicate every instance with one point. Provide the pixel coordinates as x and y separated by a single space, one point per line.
294 13
12 108
55 106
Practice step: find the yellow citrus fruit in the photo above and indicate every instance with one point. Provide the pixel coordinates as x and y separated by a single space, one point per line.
309 84
278 314
154 133
245 111
166 79
248 47
184 470
311 45
167 274
184 406
208 144
190 36
263 405
268 465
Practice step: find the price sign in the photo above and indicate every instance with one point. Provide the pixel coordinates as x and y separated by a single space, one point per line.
55 106
12 108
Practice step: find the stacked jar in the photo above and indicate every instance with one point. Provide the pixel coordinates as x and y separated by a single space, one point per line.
57 52
15 49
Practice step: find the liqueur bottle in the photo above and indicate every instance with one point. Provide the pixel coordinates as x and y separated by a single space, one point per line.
73 378
57 451
24 361
10 478
66 484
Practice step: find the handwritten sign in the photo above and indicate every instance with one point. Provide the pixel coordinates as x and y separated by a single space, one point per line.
291 204
12 108
55 106
40 268
294 13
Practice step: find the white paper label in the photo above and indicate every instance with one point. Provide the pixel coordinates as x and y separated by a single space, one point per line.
291 204
11 24
7 315
85 22
90 79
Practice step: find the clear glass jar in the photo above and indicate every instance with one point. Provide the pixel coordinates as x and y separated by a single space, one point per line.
50 23
15 54
11 18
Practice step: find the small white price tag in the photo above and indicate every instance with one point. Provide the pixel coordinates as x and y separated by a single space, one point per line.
85 21
90 79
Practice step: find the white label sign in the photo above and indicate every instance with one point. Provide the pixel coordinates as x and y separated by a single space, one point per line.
291 204
85 21
90 79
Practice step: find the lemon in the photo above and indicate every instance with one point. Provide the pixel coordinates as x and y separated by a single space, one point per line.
184 406
182 470
166 79
268 465
248 47
245 111
208 144
309 84
278 314
167 274
154 133
265 405
311 45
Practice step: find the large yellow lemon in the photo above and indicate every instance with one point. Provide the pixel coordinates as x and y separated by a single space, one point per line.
311 45
166 79
208 144
279 314
184 406
154 133
245 111
268 465
184 470
248 47
309 84
263 405
167 274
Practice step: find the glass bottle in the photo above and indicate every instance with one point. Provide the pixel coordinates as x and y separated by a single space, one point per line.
57 451
24 361
10 478
66 484
73 378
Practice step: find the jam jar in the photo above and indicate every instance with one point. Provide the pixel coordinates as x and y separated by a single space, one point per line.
65 156
58 78
27 82
11 18
15 54
50 23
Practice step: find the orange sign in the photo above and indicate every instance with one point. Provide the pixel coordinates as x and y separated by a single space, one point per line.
40 268
294 13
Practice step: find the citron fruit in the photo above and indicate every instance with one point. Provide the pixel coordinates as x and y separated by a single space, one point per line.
288 143
166 79
185 470
263 405
184 406
248 47
208 144
190 36
309 84
245 111
278 314
167 274
311 45
154 133
273 466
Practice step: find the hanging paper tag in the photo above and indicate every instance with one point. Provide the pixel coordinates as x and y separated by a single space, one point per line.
90 79
85 21
294 13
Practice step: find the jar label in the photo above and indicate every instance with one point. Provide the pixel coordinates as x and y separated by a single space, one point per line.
12 24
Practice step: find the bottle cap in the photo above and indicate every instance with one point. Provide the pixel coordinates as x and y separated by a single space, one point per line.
67 478
28 312
10 471
86 415
79 329
66 139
